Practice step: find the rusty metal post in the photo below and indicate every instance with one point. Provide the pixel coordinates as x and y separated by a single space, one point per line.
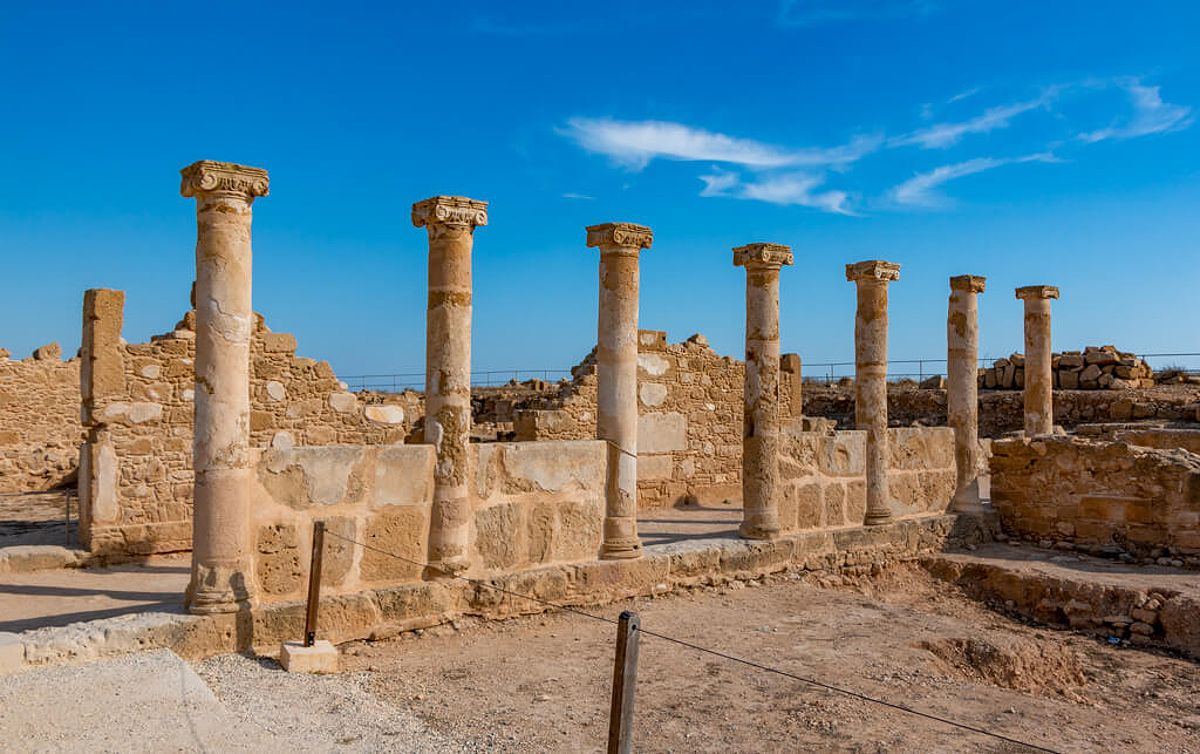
620 716
314 583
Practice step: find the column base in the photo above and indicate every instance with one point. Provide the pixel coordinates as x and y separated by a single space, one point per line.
217 589
877 518
759 531
621 549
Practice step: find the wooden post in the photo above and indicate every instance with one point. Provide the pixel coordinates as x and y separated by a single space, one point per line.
314 583
620 720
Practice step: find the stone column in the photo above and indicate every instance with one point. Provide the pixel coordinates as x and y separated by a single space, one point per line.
617 377
760 417
791 366
870 377
450 222
962 382
221 548
101 381
1039 374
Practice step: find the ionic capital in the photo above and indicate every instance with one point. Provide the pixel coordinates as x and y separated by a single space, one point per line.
208 177
624 236
968 283
449 210
762 256
873 269
1032 292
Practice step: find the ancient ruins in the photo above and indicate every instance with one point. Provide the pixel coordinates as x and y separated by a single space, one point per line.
218 440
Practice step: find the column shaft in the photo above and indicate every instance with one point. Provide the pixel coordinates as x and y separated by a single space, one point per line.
221 548
617 380
1039 375
962 399
450 222
870 378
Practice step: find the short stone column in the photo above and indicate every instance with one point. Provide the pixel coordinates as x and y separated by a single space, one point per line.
1039 373
870 377
617 379
760 417
962 382
221 543
450 222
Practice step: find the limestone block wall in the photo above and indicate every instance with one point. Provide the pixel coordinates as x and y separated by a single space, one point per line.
824 476
535 504
1096 493
689 422
1094 368
136 473
39 420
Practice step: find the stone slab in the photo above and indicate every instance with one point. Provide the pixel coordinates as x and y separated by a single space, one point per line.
12 653
321 657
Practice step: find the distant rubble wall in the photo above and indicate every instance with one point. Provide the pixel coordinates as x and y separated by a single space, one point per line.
1000 411
1108 496
137 405
39 420
1094 368
690 418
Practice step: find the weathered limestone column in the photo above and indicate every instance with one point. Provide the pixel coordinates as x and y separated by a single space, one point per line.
760 418
962 378
101 380
1039 375
870 377
616 373
221 577
450 222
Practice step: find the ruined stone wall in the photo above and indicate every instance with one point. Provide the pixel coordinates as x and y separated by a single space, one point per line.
136 473
1109 495
534 504
824 476
689 423
1001 411
1094 368
39 420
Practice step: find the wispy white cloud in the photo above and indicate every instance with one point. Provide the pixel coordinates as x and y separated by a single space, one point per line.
814 12
965 94
942 135
1150 115
633 144
573 195
796 189
920 190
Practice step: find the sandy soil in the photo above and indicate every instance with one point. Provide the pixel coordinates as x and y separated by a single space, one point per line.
37 518
542 683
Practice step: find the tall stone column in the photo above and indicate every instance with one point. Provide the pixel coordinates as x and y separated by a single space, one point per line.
760 418
221 548
962 377
870 377
450 222
616 373
1039 374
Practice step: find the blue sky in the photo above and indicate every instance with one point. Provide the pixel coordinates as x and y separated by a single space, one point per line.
1031 142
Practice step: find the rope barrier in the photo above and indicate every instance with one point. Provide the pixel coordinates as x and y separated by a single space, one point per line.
696 647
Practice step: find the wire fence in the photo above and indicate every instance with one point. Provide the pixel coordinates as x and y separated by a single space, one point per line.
826 372
480 583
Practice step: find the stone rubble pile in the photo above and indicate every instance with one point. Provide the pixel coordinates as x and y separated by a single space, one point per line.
1095 368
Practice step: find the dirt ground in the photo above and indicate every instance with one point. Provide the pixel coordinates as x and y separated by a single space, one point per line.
38 518
542 683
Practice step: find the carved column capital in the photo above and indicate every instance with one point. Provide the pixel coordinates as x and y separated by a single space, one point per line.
873 269
771 256
208 177
968 283
450 210
1037 292
626 237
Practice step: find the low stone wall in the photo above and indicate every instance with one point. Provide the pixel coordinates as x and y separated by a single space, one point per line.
535 504
1107 495
689 418
383 612
824 476
1094 368
39 420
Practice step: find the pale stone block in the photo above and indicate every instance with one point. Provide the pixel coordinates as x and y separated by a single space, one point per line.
386 414
12 653
404 475
653 364
652 393
662 433
343 403
321 657
275 390
655 467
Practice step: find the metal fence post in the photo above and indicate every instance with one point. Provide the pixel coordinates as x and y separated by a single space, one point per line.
314 583
620 716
